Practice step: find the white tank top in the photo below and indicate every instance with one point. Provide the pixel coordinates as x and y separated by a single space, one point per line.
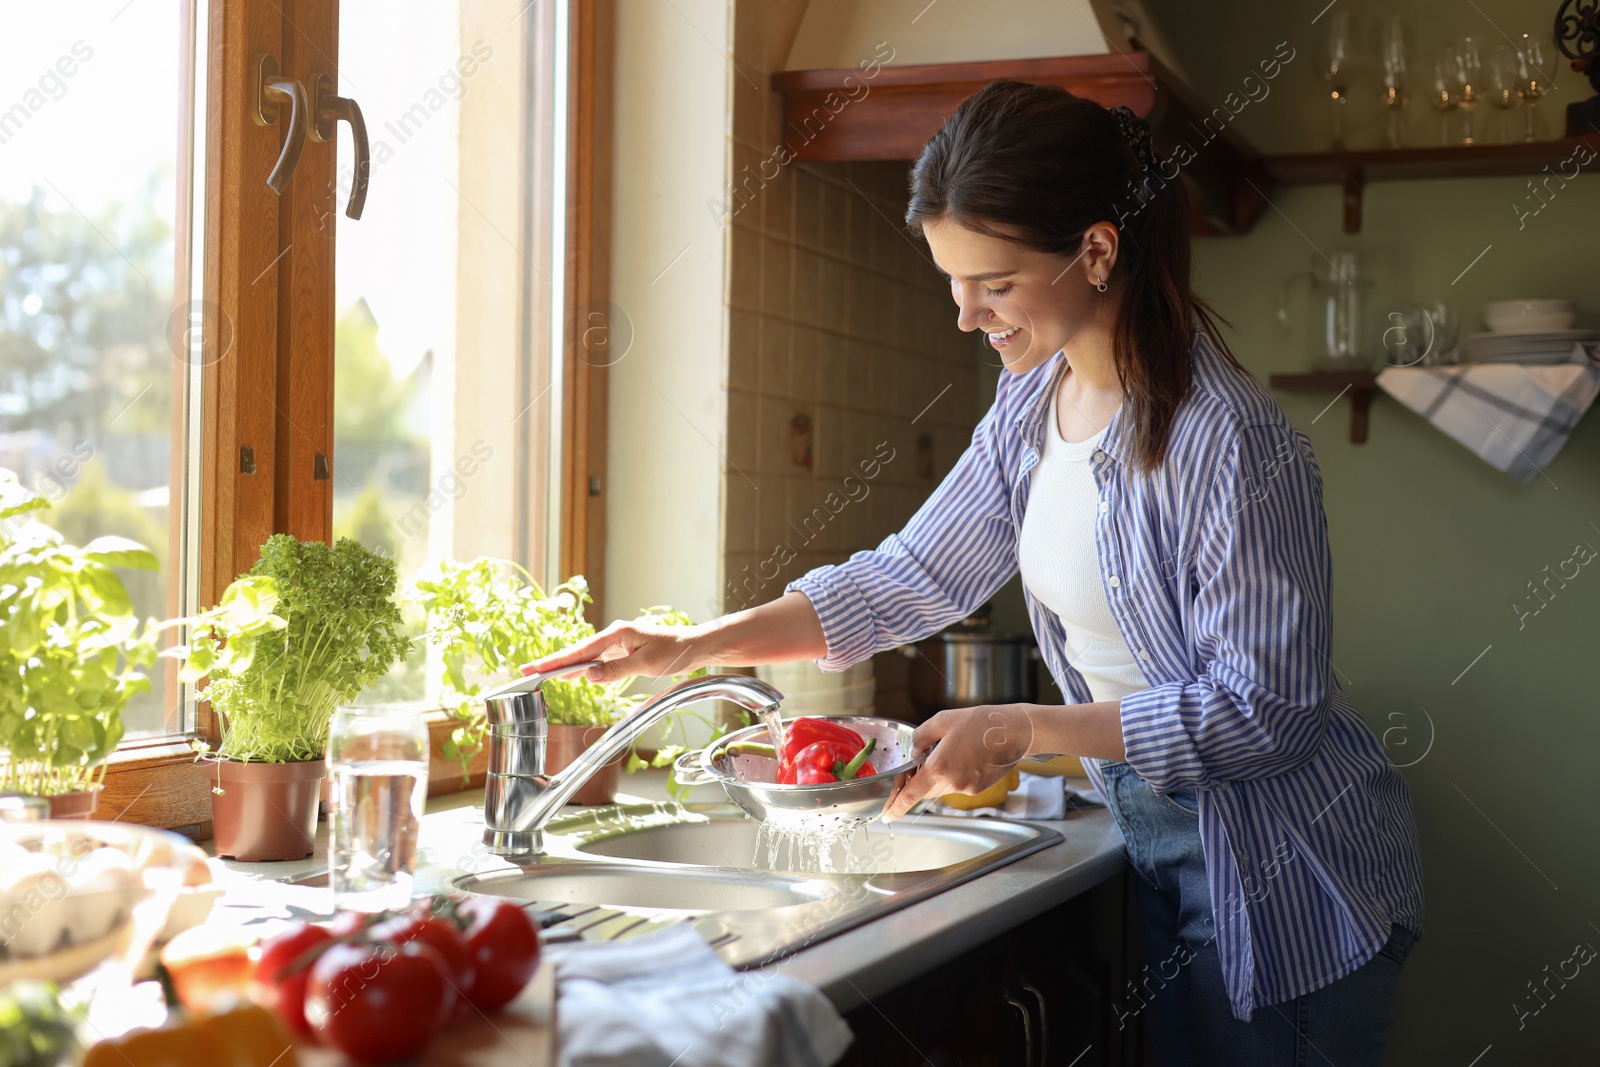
1061 568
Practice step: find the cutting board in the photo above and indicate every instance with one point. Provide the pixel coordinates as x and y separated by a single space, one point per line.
522 1034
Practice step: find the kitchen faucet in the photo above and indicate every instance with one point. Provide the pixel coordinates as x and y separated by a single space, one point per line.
519 797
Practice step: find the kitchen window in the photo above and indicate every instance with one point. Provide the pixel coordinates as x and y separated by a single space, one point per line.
93 269
443 335
196 361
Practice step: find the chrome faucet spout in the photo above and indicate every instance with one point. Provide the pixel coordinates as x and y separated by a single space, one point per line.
520 797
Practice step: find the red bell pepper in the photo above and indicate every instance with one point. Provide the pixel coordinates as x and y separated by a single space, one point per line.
828 761
805 731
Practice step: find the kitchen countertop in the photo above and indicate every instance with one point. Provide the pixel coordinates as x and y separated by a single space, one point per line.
850 968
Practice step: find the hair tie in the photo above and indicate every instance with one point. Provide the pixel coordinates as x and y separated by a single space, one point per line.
1136 131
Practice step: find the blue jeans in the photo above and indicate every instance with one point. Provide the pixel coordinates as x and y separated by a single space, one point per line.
1187 1018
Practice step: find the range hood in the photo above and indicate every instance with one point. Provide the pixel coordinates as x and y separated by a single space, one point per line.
873 88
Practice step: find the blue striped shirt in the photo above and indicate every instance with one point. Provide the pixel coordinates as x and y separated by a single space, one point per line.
1217 570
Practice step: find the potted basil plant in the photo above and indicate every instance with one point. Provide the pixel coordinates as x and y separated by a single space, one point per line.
305 630
489 617
70 647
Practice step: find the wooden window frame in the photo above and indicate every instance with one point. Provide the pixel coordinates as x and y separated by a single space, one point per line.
269 269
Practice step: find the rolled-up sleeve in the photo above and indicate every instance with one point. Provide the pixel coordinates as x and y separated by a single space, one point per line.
949 558
1260 625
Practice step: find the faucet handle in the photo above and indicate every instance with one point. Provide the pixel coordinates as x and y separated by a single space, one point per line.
529 682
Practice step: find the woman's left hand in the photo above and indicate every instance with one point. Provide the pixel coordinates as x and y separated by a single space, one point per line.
973 748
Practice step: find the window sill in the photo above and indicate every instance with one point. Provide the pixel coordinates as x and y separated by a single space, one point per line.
158 782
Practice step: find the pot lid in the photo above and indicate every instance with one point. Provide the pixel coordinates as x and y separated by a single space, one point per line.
970 637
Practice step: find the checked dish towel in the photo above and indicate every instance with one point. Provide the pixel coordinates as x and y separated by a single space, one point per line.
1514 416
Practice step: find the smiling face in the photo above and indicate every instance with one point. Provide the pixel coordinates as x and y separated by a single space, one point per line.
1031 304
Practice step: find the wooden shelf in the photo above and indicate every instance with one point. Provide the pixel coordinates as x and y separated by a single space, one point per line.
846 115
1361 385
830 119
1354 169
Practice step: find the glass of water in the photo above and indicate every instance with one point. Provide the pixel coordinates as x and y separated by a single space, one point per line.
378 767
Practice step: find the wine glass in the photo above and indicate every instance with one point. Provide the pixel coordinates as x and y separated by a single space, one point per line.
1537 52
1393 49
1468 81
1444 327
1336 70
1443 98
1504 84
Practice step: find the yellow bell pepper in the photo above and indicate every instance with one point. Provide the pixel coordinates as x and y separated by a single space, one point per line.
241 1036
992 797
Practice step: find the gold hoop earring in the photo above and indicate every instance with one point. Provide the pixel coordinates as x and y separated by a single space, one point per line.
1102 286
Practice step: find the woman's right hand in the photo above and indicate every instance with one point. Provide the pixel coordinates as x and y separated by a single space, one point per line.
628 649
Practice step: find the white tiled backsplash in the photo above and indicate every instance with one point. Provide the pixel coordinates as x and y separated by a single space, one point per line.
844 357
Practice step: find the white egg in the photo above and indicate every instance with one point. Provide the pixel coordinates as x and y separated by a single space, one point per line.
104 868
103 886
94 914
12 856
34 914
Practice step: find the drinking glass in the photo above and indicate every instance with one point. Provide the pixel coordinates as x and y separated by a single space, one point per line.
1443 98
1538 54
1468 86
1336 70
1505 81
378 769
1393 55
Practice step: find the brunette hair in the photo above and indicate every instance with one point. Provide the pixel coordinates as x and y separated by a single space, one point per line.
1036 165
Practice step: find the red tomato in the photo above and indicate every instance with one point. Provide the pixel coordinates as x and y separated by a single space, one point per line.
505 949
439 934
284 993
351 922
379 1002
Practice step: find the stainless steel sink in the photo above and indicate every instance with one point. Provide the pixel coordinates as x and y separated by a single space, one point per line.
878 849
616 885
624 870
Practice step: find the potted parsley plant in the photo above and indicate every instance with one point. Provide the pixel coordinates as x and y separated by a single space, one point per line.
305 630
70 649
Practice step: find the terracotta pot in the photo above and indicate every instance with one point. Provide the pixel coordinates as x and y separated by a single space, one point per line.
266 811
74 805
565 744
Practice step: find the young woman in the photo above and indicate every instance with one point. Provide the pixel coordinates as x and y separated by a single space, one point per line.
1167 521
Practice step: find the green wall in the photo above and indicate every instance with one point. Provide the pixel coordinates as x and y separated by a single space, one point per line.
1432 547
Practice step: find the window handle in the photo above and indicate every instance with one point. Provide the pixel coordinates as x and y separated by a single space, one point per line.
327 109
271 90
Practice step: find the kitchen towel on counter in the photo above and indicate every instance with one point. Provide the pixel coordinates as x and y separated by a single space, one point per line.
1514 416
666 998
1038 796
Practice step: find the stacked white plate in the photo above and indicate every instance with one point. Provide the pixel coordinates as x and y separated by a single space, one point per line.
807 690
1548 346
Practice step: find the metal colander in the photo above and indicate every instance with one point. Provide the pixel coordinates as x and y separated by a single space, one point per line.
751 781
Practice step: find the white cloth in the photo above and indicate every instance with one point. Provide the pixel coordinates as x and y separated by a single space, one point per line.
666 998
1514 416
1056 555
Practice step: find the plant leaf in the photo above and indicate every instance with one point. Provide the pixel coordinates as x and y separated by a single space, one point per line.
16 498
116 551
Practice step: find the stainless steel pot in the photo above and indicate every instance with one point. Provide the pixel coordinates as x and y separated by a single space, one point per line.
988 668
974 667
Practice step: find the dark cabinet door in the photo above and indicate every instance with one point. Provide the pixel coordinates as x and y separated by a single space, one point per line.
1038 996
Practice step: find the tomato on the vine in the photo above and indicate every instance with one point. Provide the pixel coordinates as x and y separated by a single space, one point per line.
274 986
437 933
504 945
377 1002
